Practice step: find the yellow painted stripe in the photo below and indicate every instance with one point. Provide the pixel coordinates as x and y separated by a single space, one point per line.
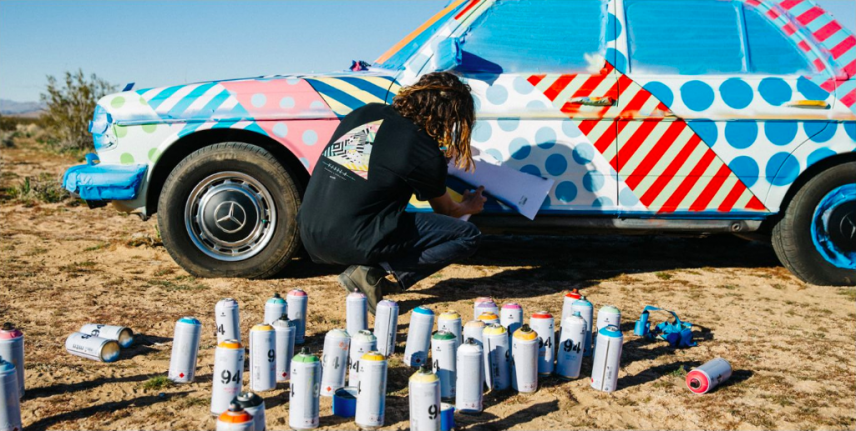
351 90
338 108
409 38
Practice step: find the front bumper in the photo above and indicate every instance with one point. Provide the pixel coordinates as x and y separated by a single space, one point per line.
97 184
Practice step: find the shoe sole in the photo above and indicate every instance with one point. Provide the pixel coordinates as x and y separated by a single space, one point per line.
349 286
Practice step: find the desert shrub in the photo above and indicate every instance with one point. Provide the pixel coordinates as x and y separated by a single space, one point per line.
7 138
69 107
46 188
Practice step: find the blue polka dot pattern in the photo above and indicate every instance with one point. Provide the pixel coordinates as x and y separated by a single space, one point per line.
697 95
746 168
618 59
820 131
706 130
566 191
545 137
661 91
741 134
536 105
547 202
522 86
850 128
509 125
775 91
570 129
627 199
736 93
310 137
613 28
601 202
583 153
531 170
497 94
593 181
810 90
482 131
782 169
280 129
286 102
519 148
258 100
495 154
556 165
818 155
781 132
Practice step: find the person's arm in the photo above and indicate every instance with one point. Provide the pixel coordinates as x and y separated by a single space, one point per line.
472 203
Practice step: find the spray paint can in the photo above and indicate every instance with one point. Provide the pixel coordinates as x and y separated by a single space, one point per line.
227 321
497 357
10 398
708 376
447 417
235 418
524 360
298 302
607 359
284 331
303 401
361 343
584 307
474 329
469 389
568 301
485 305
371 398
542 323
608 315
262 358
572 341
419 337
357 313
386 326
334 361
451 321
511 317
275 308
12 349
424 397
185 348
444 346
255 406
90 347
124 336
489 318
228 375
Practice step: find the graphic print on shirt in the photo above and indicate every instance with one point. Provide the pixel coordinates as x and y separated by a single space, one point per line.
354 149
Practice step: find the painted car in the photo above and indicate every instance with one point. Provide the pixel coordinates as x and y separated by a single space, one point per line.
647 117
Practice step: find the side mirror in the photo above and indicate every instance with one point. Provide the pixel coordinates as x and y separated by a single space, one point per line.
447 55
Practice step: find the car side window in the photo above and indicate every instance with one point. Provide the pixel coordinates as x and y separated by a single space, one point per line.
544 36
770 51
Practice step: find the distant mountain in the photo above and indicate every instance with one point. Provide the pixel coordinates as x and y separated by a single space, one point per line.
24 109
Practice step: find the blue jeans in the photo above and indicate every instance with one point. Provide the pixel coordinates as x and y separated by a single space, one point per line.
439 241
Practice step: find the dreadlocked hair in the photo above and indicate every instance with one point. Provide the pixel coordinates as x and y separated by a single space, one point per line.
441 105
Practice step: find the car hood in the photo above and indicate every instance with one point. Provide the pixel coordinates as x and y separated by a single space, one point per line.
277 97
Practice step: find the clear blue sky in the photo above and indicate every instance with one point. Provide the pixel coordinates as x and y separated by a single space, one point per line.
155 43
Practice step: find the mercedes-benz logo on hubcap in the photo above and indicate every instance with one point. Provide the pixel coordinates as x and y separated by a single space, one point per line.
848 227
230 216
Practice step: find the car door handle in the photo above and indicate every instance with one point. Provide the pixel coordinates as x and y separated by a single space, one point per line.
593 101
809 104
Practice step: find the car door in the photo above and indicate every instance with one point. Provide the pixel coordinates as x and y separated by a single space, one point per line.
740 93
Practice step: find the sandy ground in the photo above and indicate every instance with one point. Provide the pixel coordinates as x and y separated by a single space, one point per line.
791 344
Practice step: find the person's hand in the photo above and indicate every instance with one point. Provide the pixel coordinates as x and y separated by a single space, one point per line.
473 201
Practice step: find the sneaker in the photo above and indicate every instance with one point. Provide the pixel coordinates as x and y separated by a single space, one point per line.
369 280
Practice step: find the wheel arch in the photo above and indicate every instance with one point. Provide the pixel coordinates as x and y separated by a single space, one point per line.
811 172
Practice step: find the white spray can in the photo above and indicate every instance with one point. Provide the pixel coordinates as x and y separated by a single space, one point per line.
708 376
608 315
542 323
12 349
371 397
451 321
334 361
255 406
275 308
303 401
386 326
262 358
124 336
10 399
227 321
89 347
185 349
524 360
444 346
571 347
489 318
284 331
228 375
568 303
469 389
474 329
484 305
584 307
235 418
357 313
497 357
361 343
607 359
511 317
424 394
419 337
298 302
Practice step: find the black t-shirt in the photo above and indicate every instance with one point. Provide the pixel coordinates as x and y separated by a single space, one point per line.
353 210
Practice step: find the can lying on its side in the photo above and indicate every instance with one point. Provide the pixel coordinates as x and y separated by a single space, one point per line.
91 347
122 334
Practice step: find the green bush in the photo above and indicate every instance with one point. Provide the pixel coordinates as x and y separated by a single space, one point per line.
69 107
45 188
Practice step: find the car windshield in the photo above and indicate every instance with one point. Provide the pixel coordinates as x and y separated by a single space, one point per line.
395 57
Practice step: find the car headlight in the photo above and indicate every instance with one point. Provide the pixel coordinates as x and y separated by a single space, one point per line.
99 127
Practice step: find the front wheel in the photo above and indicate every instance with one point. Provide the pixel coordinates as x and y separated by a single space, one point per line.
229 210
816 237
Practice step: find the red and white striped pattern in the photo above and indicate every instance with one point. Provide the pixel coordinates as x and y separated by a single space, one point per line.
665 164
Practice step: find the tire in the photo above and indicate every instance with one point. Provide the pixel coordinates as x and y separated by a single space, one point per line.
796 242
230 210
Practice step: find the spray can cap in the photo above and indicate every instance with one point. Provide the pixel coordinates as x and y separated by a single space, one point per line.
425 369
